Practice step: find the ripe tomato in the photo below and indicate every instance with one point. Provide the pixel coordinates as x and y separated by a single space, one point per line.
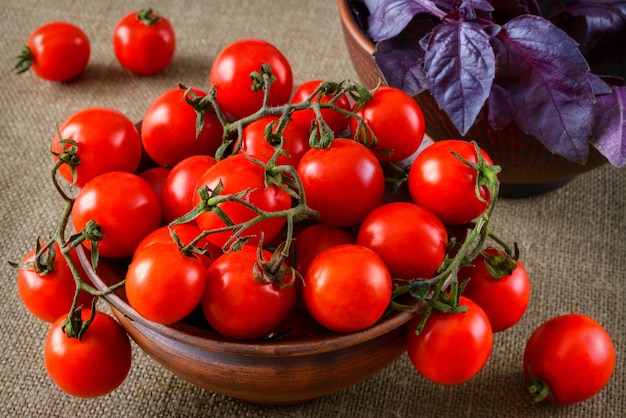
344 182
56 51
255 144
347 288
168 130
451 349
314 239
155 176
125 207
411 240
92 366
504 299
230 74
570 355
237 173
144 42
446 186
180 185
238 306
48 293
336 121
164 285
107 140
396 120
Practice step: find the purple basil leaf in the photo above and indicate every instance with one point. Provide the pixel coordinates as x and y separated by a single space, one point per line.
604 20
548 80
500 109
599 86
401 60
610 129
483 5
460 68
390 17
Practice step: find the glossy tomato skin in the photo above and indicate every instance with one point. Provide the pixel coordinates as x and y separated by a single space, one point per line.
141 47
446 186
573 355
60 51
164 285
396 120
180 185
316 238
49 296
411 240
254 143
343 183
503 299
168 130
90 367
124 205
336 121
230 74
238 306
107 141
347 288
237 173
451 349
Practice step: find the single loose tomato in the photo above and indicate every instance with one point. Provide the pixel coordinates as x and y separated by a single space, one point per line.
441 183
123 205
343 182
568 359
144 42
92 366
56 51
411 240
452 348
230 74
255 143
106 140
347 288
504 298
395 119
335 120
239 306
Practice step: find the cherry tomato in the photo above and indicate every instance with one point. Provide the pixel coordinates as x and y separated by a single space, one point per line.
56 51
230 74
503 298
446 186
48 292
396 120
238 306
411 240
336 121
90 367
144 42
316 238
107 140
155 176
572 356
168 130
125 207
164 285
237 173
180 185
347 288
255 144
452 348
344 182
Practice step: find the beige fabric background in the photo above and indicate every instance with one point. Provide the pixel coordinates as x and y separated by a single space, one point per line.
573 241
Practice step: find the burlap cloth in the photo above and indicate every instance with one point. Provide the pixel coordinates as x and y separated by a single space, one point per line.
573 240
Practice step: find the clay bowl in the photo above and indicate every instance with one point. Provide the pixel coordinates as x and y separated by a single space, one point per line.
528 168
263 372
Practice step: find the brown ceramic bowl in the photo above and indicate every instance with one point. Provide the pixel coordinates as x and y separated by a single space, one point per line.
528 168
263 372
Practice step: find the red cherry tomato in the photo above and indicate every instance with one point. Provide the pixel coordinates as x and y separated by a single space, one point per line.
255 144
396 120
56 51
144 42
155 176
452 348
316 238
344 182
336 121
446 186
230 74
90 367
571 356
347 288
107 140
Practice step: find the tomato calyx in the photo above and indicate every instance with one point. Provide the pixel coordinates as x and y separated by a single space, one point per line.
499 264
538 389
273 270
74 326
24 61
68 155
486 174
147 16
201 105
